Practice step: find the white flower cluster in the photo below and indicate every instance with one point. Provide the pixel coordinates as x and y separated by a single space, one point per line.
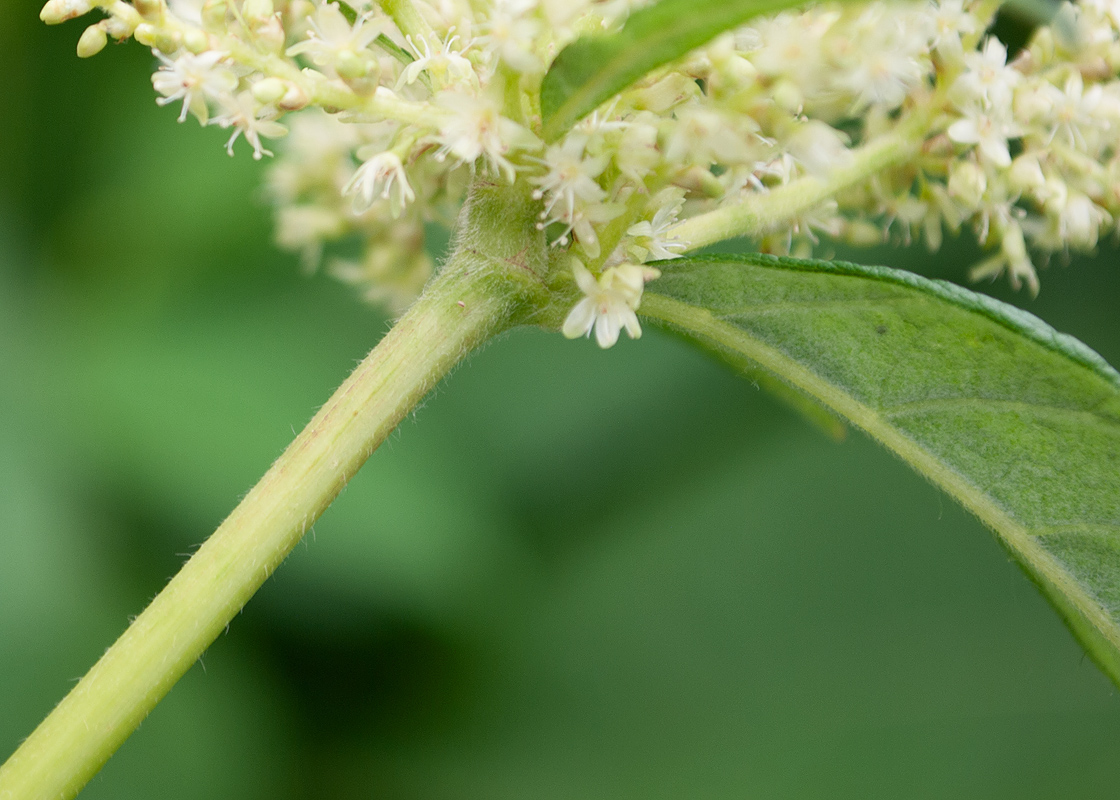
408 99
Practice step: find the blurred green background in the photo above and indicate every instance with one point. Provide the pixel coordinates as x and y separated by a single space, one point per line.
577 574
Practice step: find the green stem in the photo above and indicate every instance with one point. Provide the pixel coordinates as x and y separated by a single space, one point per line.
492 276
763 212
407 18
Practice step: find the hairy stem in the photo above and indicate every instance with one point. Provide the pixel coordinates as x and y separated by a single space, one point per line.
481 291
761 213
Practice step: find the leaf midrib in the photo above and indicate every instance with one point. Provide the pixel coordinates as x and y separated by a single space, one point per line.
1017 536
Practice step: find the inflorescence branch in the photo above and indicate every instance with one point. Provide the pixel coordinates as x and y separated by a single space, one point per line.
855 123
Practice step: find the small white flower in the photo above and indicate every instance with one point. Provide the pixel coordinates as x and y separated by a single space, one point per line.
988 130
304 228
243 113
637 153
987 77
653 234
967 183
600 123
476 129
1025 175
790 45
381 176
194 80
819 147
952 21
580 225
1074 112
510 33
704 136
570 178
888 60
329 35
609 302
1013 258
446 64
1080 221
1106 9
316 155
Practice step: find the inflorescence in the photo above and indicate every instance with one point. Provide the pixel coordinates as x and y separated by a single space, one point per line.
390 108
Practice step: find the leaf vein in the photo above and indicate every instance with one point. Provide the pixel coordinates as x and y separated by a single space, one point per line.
853 303
1078 528
912 407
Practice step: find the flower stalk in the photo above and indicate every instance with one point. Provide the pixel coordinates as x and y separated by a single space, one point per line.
492 276
761 213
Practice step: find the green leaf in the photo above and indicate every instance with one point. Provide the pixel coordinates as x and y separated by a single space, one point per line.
593 69
1019 422
393 49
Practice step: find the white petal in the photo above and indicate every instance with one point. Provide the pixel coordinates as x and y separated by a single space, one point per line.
606 329
630 321
964 131
580 319
584 279
996 151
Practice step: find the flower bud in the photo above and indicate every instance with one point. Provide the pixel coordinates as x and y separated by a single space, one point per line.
257 10
56 11
1034 103
299 9
1042 47
1025 175
1054 195
269 90
93 41
196 41
698 179
819 147
1080 221
151 36
146 34
122 20
671 90
788 96
861 233
294 99
1013 246
150 9
1019 267
349 65
735 71
1096 68
967 183
269 34
214 15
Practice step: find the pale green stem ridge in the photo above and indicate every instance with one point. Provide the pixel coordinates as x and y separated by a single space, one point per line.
407 18
491 277
764 212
